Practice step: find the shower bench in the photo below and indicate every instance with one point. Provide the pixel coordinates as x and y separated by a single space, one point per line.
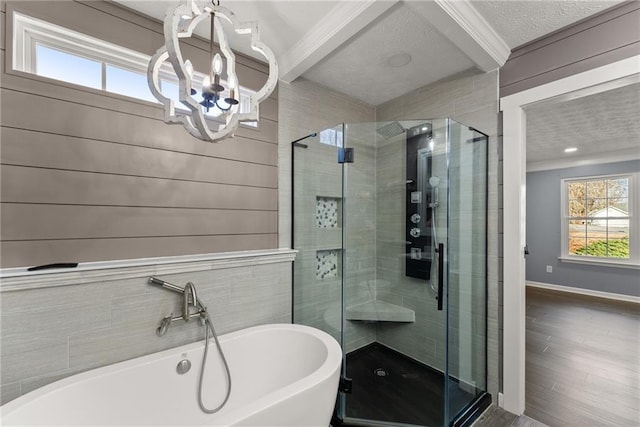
380 311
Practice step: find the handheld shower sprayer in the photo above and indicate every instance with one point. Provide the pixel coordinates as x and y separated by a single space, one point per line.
434 182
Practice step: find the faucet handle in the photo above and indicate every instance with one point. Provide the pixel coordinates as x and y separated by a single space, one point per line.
164 325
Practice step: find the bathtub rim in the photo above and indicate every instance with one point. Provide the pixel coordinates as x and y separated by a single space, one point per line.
323 373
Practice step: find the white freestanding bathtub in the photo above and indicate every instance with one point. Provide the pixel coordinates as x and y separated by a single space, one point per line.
281 375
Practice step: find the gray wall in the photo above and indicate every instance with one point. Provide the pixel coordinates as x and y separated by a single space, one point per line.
544 239
607 37
92 176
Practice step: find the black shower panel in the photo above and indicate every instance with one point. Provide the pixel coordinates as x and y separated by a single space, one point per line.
418 197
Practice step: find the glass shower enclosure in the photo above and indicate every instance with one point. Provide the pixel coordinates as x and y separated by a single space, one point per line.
390 221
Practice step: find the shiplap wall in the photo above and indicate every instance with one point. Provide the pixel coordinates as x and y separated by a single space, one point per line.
91 176
607 37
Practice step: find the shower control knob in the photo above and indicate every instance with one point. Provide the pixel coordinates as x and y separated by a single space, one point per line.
415 218
415 232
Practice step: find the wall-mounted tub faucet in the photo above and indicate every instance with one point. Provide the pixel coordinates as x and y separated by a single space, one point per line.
189 299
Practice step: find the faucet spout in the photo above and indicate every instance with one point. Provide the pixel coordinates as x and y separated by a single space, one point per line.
189 299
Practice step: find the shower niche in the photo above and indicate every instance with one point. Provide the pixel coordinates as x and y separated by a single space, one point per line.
392 263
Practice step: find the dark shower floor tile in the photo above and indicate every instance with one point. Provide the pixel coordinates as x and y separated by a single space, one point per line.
410 393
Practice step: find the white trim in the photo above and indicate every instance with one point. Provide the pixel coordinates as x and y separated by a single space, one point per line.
514 227
603 262
16 279
592 159
466 28
29 31
581 291
344 20
597 80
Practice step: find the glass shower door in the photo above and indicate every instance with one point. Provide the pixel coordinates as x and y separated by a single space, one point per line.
317 231
390 223
395 333
466 268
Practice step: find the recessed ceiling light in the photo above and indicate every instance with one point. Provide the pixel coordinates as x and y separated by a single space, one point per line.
571 150
399 60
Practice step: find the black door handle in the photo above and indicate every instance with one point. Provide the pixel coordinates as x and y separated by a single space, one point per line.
440 274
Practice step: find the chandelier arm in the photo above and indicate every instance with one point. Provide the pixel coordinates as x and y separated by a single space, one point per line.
222 108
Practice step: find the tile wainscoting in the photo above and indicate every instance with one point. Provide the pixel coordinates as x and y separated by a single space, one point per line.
57 323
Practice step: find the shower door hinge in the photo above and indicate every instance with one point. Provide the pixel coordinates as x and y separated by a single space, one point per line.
345 155
345 385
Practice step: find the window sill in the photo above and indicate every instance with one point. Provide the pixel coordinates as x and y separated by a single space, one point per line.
601 262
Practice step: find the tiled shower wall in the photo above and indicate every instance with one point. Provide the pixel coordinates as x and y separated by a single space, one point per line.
472 99
50 333
305 107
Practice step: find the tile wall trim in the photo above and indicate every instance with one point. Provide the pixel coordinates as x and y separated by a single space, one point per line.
17 279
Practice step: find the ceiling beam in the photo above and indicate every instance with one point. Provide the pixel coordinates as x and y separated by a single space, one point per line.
463 25
341 23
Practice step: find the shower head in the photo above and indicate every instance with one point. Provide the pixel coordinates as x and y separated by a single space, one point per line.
434 181
390 130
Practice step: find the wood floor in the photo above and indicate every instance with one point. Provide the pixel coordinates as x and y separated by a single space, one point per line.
582 360
498 417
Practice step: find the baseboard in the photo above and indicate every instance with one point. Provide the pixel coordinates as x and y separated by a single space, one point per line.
581 291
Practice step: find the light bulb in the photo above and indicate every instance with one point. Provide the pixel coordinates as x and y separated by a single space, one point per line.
232 81
189 68
216 64
206 85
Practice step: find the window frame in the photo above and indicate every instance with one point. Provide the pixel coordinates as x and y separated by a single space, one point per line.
28 32
634 228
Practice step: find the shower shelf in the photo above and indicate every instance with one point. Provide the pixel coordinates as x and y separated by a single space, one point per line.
380 311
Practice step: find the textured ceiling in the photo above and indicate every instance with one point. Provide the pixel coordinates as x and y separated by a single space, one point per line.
282 23
520 22
358 67
598 125
361 66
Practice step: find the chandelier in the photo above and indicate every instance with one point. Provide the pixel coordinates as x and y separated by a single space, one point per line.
216 94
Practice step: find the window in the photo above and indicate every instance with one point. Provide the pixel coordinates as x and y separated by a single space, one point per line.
55 52
598 221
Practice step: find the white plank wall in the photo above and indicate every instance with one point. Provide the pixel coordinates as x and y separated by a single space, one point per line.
91 176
